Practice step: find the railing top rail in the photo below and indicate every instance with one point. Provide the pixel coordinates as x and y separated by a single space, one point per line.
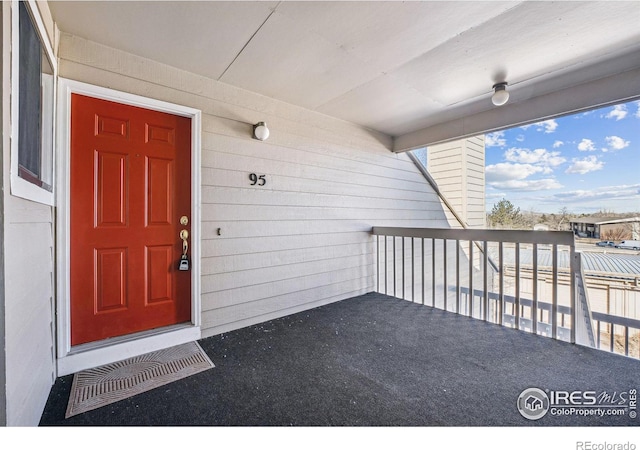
616 320
522 236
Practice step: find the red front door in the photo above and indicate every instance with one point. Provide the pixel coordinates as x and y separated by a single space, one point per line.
130 188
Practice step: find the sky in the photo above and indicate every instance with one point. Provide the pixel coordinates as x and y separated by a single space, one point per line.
587 162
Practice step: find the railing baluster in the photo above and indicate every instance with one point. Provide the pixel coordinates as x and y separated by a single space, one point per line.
598 331
386 266
485 303
501 282
626 341
403 272
517 286
433 272
457 276
572 292
554 292
444 277
470 299
413 274
377 263
534 313
395 279
422 269
611 346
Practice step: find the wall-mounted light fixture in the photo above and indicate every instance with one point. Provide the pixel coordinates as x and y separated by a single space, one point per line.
260 131
500 95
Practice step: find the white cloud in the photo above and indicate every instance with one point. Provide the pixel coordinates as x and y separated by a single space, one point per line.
520 138
557 144
618 112
537 156
615 143
495 195
495 139
507 171
637 114
548 126
528 185
582 115
586 165
604 193
512 177
586 145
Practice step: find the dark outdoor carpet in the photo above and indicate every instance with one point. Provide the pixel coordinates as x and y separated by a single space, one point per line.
372 360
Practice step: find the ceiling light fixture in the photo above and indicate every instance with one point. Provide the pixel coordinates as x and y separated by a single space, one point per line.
500 95
260 131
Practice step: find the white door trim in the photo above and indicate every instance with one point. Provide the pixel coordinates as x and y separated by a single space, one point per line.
73 359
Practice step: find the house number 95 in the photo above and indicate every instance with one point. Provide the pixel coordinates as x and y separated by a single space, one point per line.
259 180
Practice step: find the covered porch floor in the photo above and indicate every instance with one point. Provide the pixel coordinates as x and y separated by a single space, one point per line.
371 360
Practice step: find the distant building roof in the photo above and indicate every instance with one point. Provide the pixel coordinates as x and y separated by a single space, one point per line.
592 262
611 263
603 220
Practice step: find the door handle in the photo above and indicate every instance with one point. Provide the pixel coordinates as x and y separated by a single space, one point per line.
184 259
184 235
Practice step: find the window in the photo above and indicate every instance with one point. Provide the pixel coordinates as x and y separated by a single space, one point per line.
32 114
421 154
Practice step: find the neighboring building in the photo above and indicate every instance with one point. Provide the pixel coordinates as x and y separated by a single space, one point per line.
458 169
602 227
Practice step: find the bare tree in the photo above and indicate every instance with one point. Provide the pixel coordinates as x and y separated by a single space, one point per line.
562 219
617 234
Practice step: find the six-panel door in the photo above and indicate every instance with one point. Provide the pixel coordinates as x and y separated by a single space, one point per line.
130 185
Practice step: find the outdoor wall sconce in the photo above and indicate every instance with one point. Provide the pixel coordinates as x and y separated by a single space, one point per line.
500 95
260 131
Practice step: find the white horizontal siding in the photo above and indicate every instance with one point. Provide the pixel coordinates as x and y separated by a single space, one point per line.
225 246
475 183
29 305
256 260
303 239
458 169
28 350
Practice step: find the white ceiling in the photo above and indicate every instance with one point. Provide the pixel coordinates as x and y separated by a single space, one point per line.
401 68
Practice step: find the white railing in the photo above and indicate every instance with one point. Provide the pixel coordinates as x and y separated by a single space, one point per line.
528 280
606 327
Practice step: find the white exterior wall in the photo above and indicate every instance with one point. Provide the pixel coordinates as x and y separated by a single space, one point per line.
303 239
476 209
29 269
458 169
4 146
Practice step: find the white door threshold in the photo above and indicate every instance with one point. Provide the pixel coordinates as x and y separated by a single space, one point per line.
95 354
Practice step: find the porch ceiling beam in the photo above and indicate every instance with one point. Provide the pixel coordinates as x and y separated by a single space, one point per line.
605 91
